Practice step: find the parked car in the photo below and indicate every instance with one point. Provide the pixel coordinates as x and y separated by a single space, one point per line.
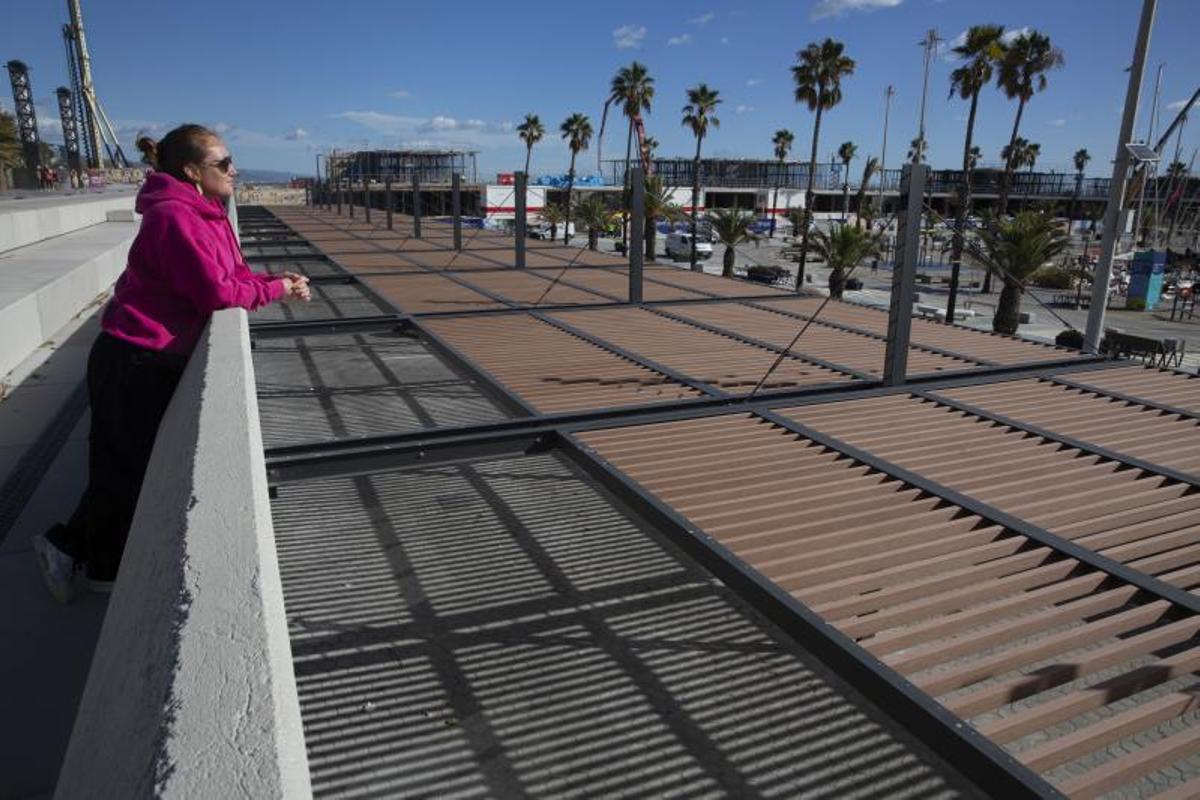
679 247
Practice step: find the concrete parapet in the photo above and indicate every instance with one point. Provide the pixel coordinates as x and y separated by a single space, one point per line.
37 220
191 691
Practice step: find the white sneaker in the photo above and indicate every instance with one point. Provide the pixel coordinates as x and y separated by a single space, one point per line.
58 569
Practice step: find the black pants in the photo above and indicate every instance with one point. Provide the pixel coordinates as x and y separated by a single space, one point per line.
129 388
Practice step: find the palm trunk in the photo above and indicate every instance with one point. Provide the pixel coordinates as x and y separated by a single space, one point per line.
593 236
570 189
846 192
837 282
651 236
625 193
1006 180
695 195
727 266
1008 310
960 218
528 153
808 196
775 202
1075 200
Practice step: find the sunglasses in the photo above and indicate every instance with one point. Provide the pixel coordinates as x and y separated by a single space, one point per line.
225 164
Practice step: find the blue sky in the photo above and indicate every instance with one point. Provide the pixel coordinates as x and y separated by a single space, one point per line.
285 80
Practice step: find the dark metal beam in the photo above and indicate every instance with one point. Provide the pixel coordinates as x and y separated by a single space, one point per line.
1128 398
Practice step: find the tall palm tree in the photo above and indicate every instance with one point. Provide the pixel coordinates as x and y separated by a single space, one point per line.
843 249
980 51
916 150
577 130
782 140
1020 246
651 145
846 153
698 115
973 156
869 170
1021 75
731 226
531 132
553 215
10 147
633 89
818 77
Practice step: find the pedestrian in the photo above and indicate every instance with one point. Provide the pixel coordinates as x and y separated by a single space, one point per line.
184 264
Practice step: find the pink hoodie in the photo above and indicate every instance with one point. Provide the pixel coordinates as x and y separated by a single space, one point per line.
184 264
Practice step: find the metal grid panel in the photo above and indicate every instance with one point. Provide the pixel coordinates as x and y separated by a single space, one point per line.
857 351
716 360
551 369
498 628
329 301
318 388
977 345
1148 434
1082 677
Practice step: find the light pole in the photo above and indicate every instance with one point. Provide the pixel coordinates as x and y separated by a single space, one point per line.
887 110
929 44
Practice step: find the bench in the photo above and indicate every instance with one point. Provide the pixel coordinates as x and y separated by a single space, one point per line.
1155 352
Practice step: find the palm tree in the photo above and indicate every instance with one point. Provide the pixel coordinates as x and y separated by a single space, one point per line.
633 88
916 150
843 249
818 78
10 147
1029 158
651 144
658 204
981 50
698 115
531 132
860 197
1080 160
1020 247
552 214
594 216
577 130
732 228
782 140
1022 74
846 153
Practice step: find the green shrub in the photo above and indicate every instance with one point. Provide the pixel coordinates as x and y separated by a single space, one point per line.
1136 304
1069 338
1052 278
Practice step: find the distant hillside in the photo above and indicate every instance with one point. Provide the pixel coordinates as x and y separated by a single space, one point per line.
247 175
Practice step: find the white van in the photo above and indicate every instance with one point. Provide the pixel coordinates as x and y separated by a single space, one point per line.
679 247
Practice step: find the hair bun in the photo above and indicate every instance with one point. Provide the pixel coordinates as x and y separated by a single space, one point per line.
149 149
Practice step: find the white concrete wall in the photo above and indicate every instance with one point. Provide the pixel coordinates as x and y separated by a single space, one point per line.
191 691
35 220
500 201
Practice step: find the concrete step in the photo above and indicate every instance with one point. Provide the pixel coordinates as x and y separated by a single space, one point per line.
43 286
30 220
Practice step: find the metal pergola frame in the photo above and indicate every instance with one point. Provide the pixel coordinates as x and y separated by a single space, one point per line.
529 431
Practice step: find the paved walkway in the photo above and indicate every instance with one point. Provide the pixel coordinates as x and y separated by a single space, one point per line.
49 646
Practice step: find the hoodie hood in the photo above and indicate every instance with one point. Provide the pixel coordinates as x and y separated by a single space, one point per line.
161 187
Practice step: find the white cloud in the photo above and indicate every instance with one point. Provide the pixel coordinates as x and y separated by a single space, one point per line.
628 36
436 131
684 38
296 134
836 8
743 109
400 94
754 81
1177 105
703 19
724 40
1058 123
